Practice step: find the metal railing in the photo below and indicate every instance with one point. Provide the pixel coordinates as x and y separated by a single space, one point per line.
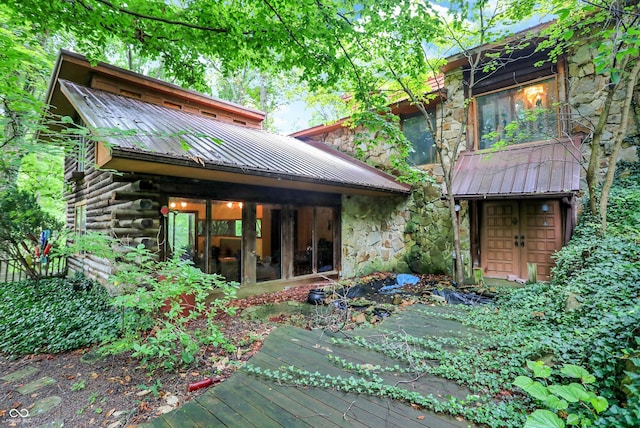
11 270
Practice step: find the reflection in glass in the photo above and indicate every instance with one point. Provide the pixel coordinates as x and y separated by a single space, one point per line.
518 115
416 131
268 242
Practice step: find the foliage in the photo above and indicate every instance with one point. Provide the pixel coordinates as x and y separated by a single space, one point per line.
42 175
24 69
156 290
583 324
610 27
55 315
577 403
21 223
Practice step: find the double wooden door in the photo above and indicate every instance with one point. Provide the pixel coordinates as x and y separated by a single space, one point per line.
515 233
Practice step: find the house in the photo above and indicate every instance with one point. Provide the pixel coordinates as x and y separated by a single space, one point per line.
519 176
175 170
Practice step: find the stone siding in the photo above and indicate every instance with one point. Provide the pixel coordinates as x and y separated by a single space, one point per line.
397 234
586 98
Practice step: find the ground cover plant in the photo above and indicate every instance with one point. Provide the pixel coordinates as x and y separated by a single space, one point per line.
55 315
585 319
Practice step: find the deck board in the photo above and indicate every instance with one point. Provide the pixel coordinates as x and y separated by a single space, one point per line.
245 400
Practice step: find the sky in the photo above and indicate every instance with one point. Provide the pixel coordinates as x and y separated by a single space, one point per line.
292 117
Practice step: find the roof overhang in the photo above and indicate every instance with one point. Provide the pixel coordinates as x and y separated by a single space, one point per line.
535 170
400 107
155 164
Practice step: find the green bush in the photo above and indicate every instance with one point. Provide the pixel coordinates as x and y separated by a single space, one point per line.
155 289
55 315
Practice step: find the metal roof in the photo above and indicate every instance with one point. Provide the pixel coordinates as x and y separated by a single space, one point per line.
212 144
537 169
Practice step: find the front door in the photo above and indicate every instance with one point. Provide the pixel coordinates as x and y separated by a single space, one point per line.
516 233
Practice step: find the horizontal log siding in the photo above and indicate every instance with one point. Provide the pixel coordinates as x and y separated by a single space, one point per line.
110 200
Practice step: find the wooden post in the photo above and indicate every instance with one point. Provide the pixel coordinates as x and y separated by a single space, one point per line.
478 276
532 273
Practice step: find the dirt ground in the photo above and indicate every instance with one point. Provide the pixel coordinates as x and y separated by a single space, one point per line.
115 392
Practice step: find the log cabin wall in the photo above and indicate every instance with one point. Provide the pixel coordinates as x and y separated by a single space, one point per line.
123 206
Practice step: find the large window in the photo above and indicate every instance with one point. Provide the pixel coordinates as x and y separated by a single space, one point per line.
519 114
415 129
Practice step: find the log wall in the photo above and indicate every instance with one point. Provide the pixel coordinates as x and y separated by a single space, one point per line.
125 206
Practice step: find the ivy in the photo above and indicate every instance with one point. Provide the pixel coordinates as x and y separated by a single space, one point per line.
55 315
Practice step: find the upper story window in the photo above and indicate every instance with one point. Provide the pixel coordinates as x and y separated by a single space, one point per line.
519 114
415 129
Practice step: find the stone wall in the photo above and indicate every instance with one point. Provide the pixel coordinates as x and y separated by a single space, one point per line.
399 234
586 98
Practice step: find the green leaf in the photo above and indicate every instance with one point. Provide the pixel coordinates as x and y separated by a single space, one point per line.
531 387
567 35
185 146
571 370
573 419
539 368
573 392
543 419
600 404
555 403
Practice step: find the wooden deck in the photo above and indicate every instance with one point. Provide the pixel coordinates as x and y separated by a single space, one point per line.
245 400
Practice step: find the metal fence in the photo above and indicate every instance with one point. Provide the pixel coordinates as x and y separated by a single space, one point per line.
11 270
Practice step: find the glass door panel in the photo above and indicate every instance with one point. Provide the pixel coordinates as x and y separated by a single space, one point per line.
225 238
303 241
268 242
324 239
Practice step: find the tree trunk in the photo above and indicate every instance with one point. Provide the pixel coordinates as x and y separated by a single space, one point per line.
592 169
613 158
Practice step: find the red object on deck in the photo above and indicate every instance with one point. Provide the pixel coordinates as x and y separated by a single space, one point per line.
203 383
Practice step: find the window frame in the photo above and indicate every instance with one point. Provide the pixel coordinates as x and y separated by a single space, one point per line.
557 94
80 226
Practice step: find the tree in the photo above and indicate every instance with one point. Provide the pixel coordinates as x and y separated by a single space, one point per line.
24 70
611 28
21 225
377 52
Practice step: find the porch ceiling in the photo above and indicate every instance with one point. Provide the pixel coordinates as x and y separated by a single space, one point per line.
191 145
527 170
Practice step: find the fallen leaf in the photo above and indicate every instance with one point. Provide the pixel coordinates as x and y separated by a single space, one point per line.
172 400
143 392
94 375
109 413
421 417
163 409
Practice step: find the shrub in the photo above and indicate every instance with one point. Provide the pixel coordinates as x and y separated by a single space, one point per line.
156 290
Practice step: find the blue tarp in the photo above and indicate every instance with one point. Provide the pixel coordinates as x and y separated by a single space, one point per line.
402 279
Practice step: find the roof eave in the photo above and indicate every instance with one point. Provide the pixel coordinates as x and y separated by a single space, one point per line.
242 173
